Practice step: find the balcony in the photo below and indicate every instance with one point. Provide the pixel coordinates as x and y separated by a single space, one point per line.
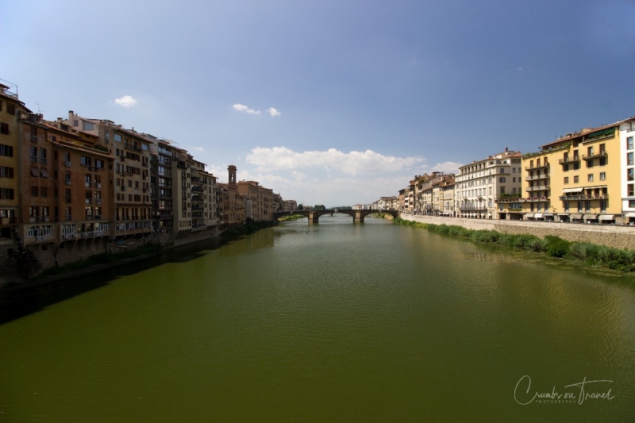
98 217
536 199
68 218
544 166
98 185
42 238
538 188
69 236
33 159
67 164
89 217
68 182
537 177
97 200
34 138
89 201
516 199
567 160
43 160
87 184
584 197
601 154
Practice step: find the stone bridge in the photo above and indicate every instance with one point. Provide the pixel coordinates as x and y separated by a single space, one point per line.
314 215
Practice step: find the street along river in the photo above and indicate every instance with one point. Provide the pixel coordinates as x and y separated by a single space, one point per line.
333 322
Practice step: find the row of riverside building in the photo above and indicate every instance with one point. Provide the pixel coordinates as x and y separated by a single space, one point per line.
80 180
582 177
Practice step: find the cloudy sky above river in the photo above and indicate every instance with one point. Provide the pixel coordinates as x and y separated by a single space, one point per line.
328 102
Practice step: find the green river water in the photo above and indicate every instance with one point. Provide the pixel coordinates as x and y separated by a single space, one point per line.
333 322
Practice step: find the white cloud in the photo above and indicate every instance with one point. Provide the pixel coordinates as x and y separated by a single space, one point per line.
126 101
244 109
352 163
198 148
273 112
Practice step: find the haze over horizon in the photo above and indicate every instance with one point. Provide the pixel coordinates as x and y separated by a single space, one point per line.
331 103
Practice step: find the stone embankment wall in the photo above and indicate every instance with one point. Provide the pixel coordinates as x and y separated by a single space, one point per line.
51 254
609 235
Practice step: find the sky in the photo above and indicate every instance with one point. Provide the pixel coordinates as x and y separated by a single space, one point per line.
328 102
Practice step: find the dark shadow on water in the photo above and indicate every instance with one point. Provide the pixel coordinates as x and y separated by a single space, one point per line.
22 301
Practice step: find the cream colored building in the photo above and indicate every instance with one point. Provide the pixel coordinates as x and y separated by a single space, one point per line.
480 183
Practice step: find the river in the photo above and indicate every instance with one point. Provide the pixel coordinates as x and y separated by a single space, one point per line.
333 322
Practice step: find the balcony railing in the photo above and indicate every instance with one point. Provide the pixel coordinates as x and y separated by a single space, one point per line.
97 200
538 188
601 154
567 160
69 218
584 197
509 199
534 199
542 166
537 177
68 182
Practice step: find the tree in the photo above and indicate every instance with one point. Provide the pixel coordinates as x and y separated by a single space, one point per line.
320 207
300 207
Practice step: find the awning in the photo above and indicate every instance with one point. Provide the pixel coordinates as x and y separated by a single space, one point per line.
572 190
34 172
529 215
563 214
607 217
631 214
537 215
547 215
576 216
590 216
44 173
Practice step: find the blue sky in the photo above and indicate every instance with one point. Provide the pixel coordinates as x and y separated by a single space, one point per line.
328 102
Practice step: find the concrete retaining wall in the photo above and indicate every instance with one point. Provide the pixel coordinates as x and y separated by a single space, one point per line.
609 235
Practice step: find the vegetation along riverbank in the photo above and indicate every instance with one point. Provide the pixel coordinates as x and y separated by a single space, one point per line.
290 217
552 246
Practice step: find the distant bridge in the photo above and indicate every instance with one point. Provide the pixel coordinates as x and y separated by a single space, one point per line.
314 215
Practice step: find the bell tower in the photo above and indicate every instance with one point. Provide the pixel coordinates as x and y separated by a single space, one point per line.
231 169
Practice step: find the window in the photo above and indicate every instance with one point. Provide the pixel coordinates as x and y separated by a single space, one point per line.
4 128
566 180
630 176
117 137
576 179
590 177
602 161
565 168
43 192
7 194
43 155
629 143
576 166
629 159
11 109
34 191
6 150
631 203
630 190
6 172
88 126
602 176
501 179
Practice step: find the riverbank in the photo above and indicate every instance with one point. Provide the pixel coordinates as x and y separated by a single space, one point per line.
290 217
551 245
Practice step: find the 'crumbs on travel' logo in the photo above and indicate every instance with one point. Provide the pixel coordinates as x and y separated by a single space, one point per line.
575 393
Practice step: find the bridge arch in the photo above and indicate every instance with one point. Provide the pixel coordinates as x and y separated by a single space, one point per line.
314 215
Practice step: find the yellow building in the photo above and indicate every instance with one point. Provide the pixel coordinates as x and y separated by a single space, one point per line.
575 178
